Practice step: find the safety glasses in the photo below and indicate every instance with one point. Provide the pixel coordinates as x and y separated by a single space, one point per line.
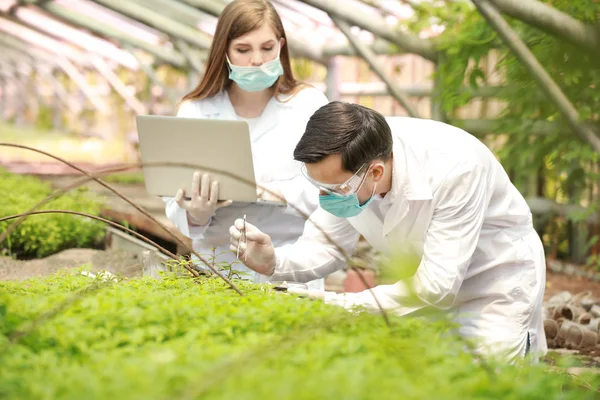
352 185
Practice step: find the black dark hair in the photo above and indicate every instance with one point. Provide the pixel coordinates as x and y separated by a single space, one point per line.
358 133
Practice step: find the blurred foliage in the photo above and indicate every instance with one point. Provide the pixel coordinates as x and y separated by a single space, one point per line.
126 178
44 118
182 339
307 70
302 68
42 235
73 147
569 168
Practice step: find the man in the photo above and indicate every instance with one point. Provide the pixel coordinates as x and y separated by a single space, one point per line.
413 186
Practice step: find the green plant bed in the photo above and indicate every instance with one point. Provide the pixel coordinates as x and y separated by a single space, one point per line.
176 339
42 235
126 178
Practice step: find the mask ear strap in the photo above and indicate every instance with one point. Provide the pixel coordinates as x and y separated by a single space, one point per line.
374 188
229 64
276 59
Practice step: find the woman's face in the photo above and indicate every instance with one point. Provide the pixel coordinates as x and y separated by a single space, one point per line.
254 48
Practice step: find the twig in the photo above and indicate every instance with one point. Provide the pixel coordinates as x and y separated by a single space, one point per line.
577 379
581 382
93 176
140 209
106 221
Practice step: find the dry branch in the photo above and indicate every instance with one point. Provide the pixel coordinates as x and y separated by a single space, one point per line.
137 207
93 176
369 56
104 220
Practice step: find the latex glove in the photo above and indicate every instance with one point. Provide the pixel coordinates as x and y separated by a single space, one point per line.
258 253
204 200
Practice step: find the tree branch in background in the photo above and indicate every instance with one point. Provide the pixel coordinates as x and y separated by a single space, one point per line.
537 71
350 13
551 20
369 56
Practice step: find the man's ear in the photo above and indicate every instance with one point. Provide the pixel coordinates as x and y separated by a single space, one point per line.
378 171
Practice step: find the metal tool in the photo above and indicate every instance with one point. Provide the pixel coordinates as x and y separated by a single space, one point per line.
242 234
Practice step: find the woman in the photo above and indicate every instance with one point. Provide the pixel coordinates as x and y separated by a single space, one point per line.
248 77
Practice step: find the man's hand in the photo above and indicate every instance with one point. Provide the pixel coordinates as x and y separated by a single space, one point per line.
258 252
204 200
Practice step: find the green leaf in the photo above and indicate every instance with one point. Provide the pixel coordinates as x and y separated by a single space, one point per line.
477 73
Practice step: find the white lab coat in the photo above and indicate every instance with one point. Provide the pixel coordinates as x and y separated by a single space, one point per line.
453 207
273 137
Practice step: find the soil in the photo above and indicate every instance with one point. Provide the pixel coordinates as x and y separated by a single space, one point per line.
556 283
118 262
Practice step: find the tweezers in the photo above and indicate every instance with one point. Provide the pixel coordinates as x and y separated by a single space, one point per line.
242 234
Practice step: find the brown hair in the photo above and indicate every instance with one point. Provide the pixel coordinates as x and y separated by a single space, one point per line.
359 134
238 18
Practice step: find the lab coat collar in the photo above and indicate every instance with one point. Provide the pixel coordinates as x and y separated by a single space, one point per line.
408 175
220 107
408 183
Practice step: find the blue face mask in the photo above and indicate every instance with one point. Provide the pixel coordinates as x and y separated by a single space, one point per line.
256 79
343 206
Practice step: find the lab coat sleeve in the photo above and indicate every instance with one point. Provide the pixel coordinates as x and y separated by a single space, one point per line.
176 214
449 244
313 256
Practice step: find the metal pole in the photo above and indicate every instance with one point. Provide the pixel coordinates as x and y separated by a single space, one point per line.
332 81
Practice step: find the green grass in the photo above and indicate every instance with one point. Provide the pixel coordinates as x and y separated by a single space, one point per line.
71 147
175 339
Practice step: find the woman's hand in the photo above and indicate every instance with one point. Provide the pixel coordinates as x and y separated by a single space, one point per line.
204 200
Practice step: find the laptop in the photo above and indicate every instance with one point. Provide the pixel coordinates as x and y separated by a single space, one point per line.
219 144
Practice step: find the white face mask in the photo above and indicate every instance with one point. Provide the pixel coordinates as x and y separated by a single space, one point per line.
256 79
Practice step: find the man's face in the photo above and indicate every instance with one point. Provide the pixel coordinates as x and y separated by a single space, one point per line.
330 171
